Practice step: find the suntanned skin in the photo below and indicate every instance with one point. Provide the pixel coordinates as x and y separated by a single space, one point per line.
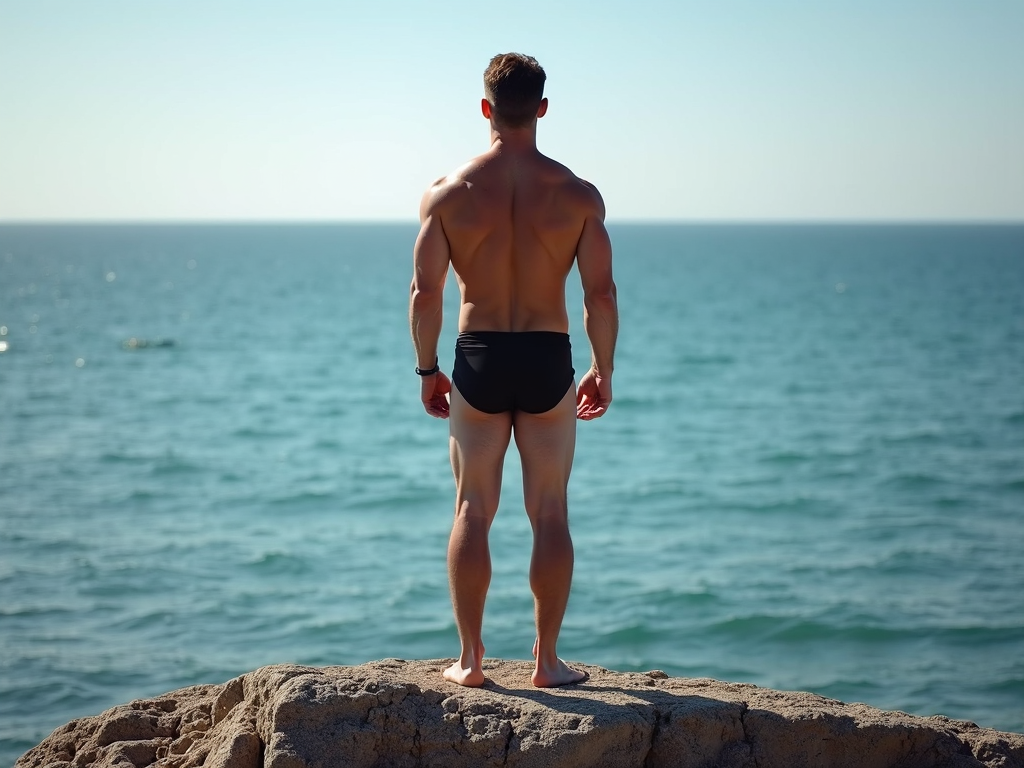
511 223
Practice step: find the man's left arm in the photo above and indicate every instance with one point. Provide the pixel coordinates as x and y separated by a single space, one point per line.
600 311
431 257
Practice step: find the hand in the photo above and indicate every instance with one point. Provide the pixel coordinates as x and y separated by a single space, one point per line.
433 389
593 396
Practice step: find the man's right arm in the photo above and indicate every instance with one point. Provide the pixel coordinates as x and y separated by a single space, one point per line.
431 257
600 313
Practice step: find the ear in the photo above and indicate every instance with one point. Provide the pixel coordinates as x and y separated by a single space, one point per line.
543 108
485 108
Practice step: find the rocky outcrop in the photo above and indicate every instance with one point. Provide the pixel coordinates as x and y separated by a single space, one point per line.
402 713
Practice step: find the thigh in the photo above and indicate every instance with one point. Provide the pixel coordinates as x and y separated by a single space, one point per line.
546 443
477 445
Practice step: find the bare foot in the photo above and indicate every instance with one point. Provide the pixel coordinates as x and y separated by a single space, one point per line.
467 670
468 676
557 675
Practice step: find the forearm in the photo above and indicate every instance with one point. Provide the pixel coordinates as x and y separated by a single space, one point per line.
601 323
425 319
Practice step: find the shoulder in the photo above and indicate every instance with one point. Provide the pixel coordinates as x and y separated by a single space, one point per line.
585 198
449 190
581 193
438 195
591 197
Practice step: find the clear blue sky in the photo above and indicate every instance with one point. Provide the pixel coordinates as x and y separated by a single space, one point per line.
306 110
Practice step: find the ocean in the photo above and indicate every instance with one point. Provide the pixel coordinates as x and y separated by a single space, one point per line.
213 457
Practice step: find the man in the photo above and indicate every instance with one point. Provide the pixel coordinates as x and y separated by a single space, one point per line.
511 222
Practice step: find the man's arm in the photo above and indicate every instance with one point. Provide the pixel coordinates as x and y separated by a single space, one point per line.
431 257
600 313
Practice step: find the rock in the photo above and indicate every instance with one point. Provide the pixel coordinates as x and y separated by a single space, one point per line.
396 713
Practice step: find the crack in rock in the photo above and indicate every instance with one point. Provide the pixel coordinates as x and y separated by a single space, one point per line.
655 731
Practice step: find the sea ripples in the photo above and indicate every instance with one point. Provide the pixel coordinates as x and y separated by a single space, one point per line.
796 486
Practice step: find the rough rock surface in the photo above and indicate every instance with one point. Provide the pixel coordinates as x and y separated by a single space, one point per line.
402 713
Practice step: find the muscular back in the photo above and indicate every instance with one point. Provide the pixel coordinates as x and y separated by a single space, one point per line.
513 225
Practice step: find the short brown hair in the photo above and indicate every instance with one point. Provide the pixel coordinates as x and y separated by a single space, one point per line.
514 86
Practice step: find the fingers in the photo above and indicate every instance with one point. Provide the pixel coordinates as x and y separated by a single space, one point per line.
437 411
437 406
433 395
590 408
583 404
592 399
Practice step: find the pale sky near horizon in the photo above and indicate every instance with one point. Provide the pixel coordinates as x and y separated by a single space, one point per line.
313 110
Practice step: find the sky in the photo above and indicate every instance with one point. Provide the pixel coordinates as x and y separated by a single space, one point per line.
309 110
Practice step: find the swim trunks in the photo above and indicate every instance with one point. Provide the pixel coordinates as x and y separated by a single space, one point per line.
500 371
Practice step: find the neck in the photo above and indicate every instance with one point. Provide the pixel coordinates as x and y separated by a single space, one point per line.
515 139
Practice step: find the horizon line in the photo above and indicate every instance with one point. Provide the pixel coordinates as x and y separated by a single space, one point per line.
738 221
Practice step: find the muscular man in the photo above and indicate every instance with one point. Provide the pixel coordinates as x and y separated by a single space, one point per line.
511 222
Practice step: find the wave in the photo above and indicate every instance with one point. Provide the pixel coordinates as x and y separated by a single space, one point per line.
913 481
118 586
790 629
303 498
175 466
143 621
846 690
923 437
405 499
124 458
168 464
672 598
785 458
442 634
632 634
662 489
34 611
41 545
327 633
251 433
1011 685
416 592
327 444
799 505
280 564
142 494
706 360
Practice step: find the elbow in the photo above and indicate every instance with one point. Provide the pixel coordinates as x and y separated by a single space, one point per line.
603 296
424 300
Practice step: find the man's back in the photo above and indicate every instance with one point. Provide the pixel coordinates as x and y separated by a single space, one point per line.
513 221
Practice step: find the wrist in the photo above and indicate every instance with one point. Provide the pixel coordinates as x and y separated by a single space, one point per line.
428 371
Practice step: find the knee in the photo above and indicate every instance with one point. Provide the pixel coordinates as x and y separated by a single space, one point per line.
476 509
549 512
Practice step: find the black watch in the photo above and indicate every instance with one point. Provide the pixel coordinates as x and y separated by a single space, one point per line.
428 371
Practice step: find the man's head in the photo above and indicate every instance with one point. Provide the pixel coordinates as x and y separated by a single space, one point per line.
514 87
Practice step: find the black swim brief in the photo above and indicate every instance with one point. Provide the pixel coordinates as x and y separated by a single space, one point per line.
499 371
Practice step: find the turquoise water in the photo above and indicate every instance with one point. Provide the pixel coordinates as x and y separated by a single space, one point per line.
812 476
